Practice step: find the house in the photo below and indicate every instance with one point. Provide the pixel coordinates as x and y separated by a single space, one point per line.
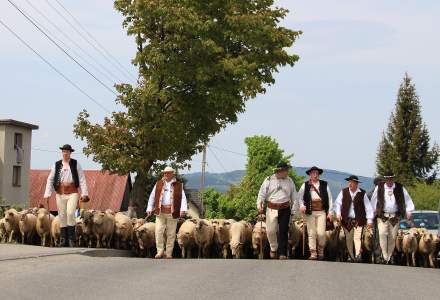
106 191
15 161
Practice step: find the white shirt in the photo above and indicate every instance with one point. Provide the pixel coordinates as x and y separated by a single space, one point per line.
66 178
166 197
368 209
390 205
315 195
277 191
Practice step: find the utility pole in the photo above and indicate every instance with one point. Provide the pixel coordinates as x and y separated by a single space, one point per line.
202 178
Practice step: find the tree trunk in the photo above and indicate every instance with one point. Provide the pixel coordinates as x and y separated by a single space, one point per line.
138 195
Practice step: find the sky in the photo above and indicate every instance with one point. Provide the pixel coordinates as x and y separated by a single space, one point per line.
329 110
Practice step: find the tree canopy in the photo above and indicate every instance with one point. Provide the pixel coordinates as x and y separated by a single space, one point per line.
199 62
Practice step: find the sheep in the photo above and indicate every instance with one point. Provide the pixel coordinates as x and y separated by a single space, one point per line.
203 236
259 239
435 250
27 225
87 227
240 238
295 236
145 236
79 233
2 230
409 247
103 228
123 231
12 218
44 220
368 242
185 238
221 235
55 232
426 246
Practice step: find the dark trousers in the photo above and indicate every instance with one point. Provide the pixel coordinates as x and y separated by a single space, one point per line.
283 227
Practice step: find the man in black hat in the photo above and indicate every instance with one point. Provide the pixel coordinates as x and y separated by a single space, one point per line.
391 203
315 202
279 192
353 211
65 177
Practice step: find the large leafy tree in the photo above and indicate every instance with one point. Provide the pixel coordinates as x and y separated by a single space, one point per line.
405 147
199 62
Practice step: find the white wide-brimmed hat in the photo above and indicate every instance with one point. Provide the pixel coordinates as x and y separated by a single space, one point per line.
168 169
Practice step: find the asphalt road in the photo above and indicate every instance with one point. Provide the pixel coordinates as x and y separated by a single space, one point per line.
82 275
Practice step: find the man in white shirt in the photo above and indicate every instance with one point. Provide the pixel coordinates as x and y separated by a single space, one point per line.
168 202
65 177
279 192
315 202
353 211
391 203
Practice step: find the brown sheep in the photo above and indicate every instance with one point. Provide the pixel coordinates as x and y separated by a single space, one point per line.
240 238
44 220
103 228
259 239
87 228
3 230
409 247
12 218
27 225
203 236
185 238
55 232
123 231
426 245
145 236
221 235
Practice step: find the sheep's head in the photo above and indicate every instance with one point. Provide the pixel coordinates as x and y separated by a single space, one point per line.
98 218
236 248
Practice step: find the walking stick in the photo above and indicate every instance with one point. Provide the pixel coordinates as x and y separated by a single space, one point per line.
303 236
261 239
48 209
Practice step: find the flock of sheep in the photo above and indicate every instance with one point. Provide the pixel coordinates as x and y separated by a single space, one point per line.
217 238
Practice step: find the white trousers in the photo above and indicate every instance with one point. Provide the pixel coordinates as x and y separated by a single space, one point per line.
316 223
387 237
354 236
66 205
168 223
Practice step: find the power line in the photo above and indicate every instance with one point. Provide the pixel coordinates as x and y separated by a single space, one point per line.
218 160
96 41
54 68
79 33
230 151
61 48
72 41
53 151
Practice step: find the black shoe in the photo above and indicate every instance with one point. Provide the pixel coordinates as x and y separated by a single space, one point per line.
63 237
70 236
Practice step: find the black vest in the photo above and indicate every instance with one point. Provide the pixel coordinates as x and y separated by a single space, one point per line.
398 195
308 198
73 169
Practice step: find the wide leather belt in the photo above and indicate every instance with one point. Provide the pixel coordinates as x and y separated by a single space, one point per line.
278 206
67 189
165 209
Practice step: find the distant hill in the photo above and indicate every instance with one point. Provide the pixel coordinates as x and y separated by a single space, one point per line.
222 181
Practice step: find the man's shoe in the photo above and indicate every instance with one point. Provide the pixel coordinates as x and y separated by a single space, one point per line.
313 255
273 255
159 255
283 257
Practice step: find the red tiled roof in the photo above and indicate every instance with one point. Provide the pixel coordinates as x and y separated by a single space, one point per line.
105 190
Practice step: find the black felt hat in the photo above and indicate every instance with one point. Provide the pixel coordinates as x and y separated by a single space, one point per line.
353 178
314 168
67 147
283 166
388 175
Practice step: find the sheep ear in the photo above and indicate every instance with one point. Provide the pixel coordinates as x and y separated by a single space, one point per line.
194 221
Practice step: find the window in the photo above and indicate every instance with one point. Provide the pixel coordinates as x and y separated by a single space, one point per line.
16 176
18 141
